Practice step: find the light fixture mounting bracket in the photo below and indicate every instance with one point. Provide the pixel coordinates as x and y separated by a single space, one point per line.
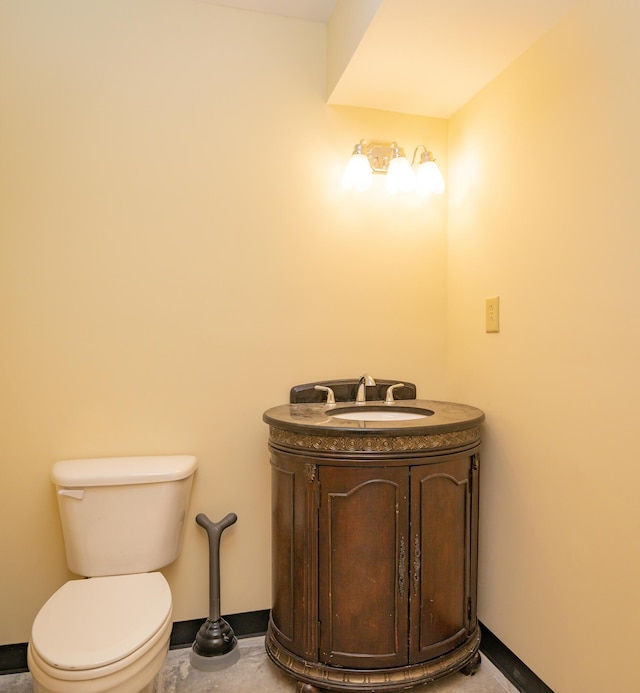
380 154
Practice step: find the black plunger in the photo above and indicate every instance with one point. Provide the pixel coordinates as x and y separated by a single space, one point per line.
215 646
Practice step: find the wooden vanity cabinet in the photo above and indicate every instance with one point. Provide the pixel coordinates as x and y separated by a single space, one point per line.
374 568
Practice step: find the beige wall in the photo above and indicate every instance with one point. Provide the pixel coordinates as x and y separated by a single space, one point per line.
175 253
156 262
544 211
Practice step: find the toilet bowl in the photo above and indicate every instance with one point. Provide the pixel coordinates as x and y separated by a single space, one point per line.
102 634
122 520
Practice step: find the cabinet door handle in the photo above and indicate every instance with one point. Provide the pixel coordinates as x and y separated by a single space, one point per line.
402 567
416 564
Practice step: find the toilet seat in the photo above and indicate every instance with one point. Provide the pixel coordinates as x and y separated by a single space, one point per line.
101 623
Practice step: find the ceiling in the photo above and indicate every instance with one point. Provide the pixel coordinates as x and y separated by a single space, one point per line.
426 57
312 10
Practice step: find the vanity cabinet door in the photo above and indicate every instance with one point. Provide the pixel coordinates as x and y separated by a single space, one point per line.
294 541
442 556
363 589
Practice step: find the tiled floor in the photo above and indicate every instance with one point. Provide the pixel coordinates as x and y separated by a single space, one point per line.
254 673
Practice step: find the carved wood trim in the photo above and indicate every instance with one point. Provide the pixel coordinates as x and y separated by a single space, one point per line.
372 443
391 679
402 567
310 472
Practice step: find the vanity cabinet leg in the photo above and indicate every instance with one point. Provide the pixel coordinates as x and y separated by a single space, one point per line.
307 688
470 668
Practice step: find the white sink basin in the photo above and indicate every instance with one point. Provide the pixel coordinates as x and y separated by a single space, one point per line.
369 414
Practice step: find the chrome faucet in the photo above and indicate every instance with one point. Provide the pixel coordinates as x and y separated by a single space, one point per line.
361 394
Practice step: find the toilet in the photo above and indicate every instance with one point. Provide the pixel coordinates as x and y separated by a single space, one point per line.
122 520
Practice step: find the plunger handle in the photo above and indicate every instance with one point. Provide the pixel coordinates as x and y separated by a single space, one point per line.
214 531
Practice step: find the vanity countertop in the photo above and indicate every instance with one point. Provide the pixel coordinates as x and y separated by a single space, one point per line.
320 419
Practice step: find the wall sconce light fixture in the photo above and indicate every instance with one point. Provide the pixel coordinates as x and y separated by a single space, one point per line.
380 157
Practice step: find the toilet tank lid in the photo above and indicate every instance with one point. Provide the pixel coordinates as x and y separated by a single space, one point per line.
119 471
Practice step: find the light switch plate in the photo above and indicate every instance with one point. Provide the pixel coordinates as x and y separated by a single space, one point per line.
492 314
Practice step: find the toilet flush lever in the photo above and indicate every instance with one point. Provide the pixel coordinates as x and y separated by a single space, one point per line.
78 494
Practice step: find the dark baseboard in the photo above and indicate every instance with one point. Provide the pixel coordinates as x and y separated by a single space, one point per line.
513 669
246 625
13 658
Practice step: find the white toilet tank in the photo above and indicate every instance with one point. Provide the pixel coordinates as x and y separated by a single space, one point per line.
123 515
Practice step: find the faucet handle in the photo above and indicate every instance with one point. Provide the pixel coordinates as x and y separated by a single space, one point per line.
389 398
330 396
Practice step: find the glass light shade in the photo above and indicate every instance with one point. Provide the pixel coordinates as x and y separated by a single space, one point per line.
400 177
357 173
429 179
